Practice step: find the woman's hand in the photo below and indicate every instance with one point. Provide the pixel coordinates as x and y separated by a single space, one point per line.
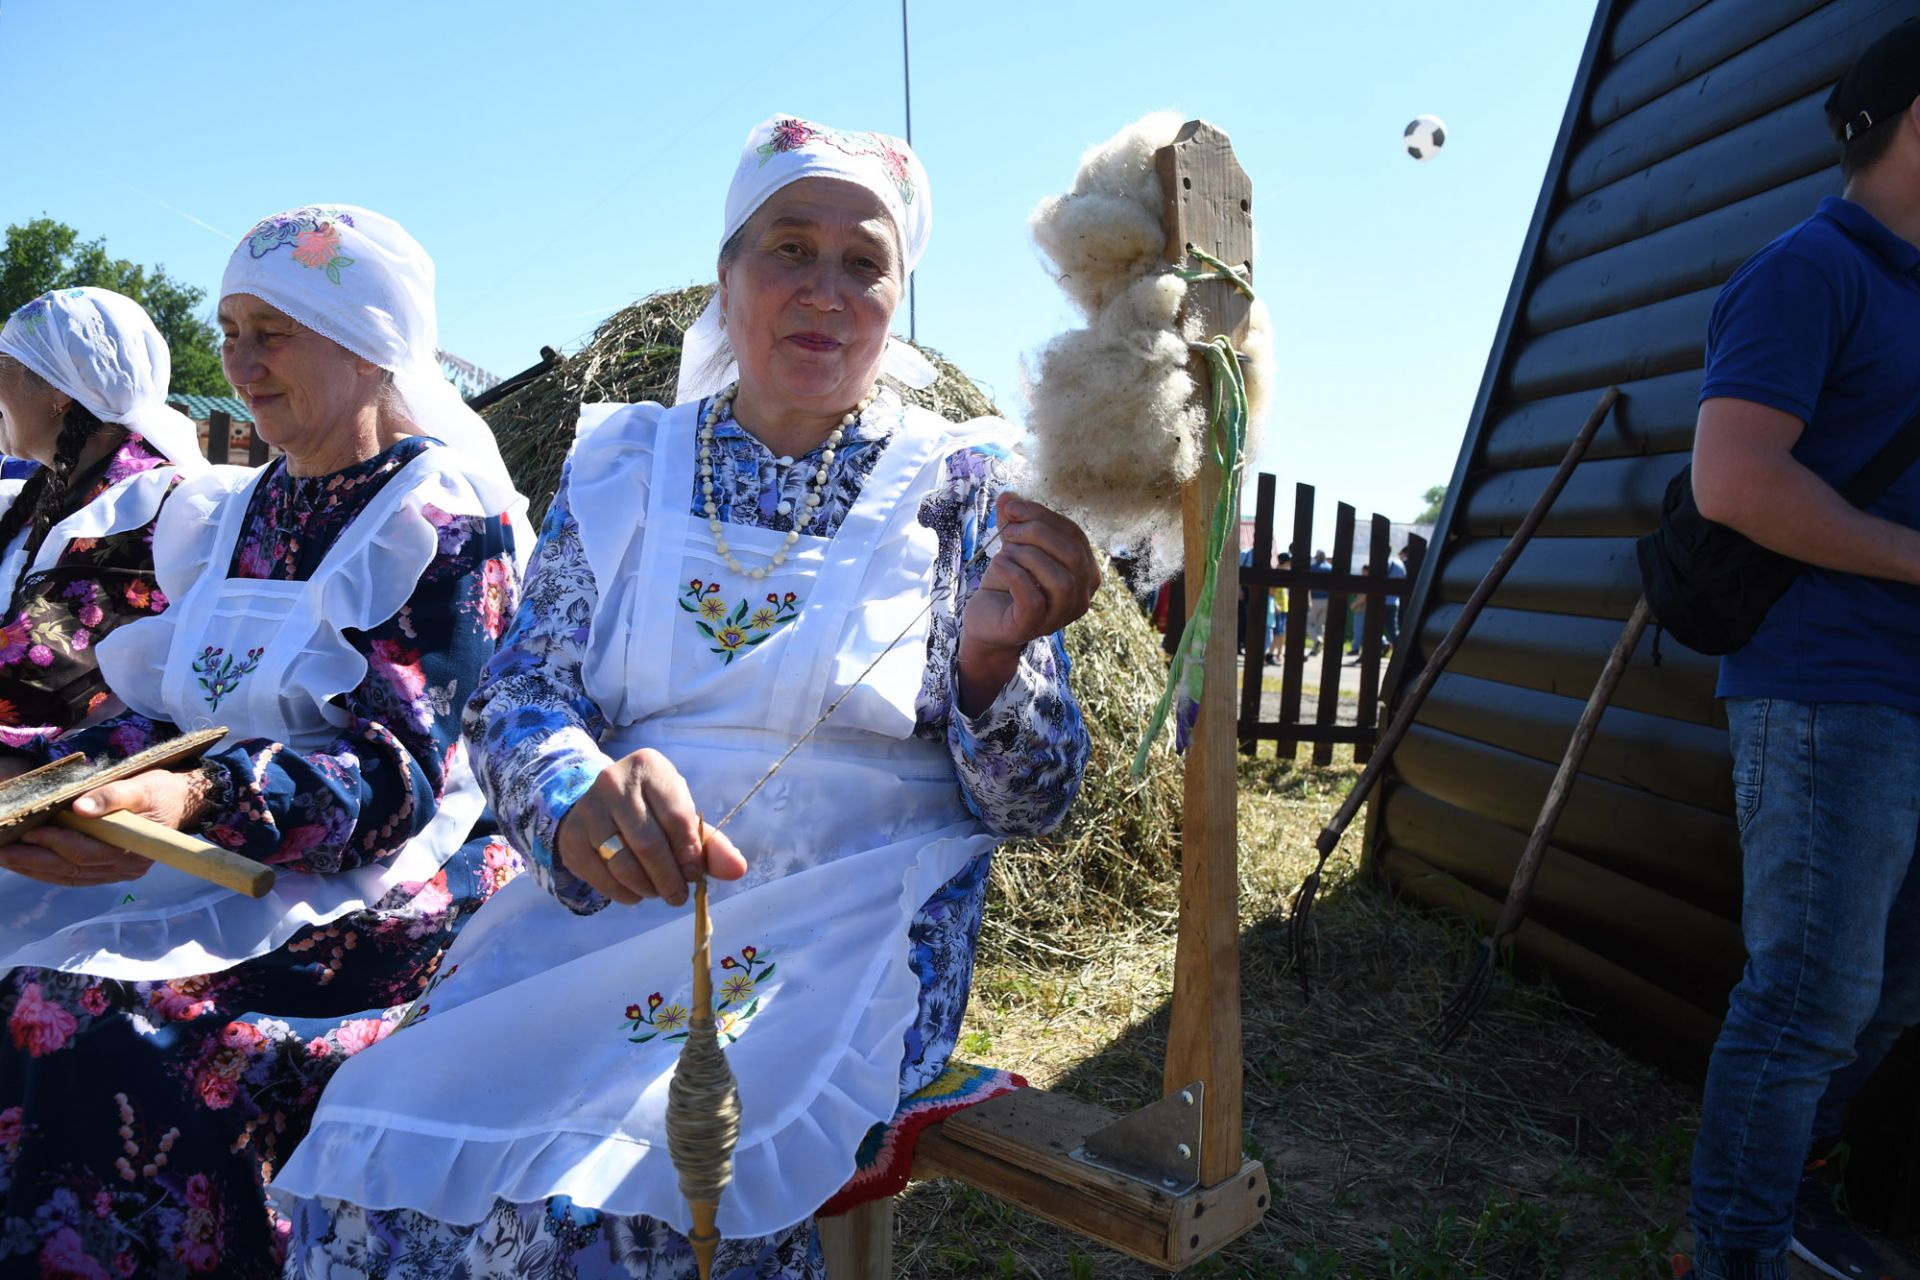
640 811
1043 576
58 856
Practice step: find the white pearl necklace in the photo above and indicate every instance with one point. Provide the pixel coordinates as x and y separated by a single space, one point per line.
722 403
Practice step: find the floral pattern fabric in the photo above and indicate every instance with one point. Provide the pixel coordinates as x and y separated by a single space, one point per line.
49 680
790 134
556 1240
375 787
312 233
1019 762
1019 765
139 1121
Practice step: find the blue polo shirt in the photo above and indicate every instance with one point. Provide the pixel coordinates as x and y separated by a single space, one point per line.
1824 324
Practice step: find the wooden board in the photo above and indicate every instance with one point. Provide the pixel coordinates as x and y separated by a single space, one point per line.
1017 1147
44 795
858 1244
34 796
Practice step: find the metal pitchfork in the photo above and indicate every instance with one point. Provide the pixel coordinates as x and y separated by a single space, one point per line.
1329 839
1473 994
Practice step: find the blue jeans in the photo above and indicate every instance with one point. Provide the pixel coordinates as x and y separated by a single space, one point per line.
1827 796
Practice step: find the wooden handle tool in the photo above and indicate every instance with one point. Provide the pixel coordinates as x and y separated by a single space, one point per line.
174 849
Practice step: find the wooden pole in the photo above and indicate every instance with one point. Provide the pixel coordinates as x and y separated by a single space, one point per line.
1209 204
1528 868
176 849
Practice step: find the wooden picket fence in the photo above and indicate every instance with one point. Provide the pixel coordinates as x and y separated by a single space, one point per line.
1324 729
220 441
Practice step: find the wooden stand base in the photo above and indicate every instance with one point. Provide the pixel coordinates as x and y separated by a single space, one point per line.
858 1244
1016 1147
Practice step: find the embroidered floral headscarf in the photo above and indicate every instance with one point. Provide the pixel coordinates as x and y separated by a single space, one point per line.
358 278
101 348
782 150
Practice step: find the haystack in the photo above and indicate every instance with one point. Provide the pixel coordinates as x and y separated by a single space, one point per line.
1114 862
635 356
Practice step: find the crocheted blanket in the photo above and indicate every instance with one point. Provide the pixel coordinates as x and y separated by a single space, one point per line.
886 1153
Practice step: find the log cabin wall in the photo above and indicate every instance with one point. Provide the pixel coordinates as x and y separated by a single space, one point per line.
1693 136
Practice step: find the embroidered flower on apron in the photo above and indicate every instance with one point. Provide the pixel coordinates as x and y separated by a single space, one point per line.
220 672
734 632
736 1000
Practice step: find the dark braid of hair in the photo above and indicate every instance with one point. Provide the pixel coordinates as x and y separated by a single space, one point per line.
49 489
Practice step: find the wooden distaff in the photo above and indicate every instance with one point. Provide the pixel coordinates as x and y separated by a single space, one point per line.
47 794
703 1102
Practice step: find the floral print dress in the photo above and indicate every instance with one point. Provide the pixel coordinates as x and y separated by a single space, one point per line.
139 1121
532 728
49 680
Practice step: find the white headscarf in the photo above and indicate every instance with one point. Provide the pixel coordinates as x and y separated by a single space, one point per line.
358 278
782 150
101 348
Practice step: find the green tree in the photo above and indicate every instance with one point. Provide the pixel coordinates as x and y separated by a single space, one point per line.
1434 498
45 254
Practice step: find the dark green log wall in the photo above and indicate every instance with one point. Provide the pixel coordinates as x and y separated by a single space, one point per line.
1693 136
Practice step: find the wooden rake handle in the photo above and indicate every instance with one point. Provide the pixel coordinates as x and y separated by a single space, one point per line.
174 849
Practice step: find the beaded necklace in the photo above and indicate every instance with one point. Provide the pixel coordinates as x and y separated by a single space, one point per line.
716 411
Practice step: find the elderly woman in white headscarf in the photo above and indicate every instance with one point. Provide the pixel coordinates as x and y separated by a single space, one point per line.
83 386
788 542
332 610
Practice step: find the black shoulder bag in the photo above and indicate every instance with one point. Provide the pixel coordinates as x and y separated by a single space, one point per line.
1711 587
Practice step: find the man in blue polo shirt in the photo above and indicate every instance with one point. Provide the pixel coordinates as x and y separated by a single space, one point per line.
1813 363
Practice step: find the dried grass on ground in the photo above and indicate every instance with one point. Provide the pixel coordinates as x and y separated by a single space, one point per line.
1534 1149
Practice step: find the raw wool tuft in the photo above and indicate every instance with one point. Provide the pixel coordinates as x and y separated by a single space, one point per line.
1114 428
1106 232
1256 362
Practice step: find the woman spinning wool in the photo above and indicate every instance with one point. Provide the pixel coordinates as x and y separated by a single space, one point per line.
710 579
83 385
169 1038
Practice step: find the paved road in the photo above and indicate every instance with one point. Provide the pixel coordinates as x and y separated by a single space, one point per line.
1310 694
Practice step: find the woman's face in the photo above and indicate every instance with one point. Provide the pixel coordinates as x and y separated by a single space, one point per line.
810 295
30 412
300 387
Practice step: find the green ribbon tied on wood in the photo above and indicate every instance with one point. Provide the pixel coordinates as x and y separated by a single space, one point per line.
1227 423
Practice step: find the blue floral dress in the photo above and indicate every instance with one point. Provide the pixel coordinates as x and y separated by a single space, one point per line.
139 1121
1019 766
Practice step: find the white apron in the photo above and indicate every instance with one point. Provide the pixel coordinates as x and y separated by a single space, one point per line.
126 505
540 1063
265 658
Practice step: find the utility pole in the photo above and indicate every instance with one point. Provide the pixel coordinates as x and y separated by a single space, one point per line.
906 76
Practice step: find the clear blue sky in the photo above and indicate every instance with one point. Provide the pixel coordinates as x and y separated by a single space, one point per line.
562 159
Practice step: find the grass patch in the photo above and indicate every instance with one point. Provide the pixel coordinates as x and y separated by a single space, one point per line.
1533 1149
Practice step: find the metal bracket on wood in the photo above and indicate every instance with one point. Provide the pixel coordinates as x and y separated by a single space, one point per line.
1158 1144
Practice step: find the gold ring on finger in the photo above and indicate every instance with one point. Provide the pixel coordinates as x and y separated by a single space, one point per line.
610 848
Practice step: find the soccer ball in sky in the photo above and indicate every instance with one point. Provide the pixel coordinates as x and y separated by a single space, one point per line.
1425 136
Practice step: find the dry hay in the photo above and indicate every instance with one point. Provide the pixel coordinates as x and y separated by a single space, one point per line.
635 356
1114 858
1113 865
